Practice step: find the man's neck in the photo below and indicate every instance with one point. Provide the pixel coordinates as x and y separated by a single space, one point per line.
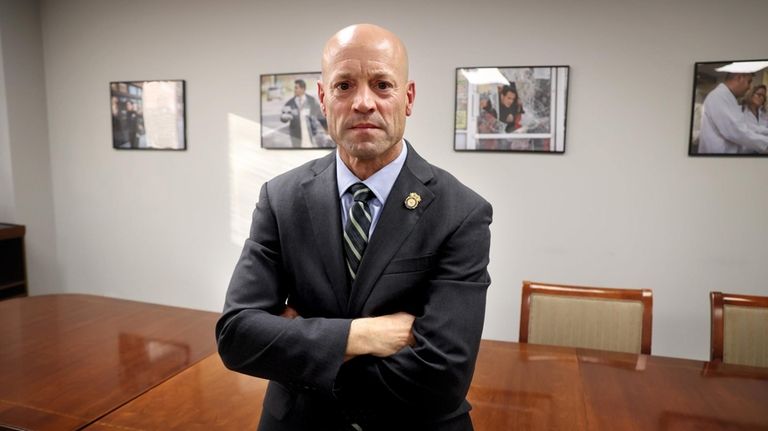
364 168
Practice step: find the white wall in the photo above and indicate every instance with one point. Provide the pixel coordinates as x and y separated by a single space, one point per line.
25 195
625 206
7 201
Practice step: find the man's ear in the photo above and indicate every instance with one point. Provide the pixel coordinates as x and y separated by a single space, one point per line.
321 96
410 93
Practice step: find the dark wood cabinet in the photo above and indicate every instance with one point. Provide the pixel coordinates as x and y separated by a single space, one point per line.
13 265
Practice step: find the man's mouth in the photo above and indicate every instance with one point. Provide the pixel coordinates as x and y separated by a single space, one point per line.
365 126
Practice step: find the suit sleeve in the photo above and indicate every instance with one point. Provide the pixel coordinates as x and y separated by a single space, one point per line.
252 337
431 379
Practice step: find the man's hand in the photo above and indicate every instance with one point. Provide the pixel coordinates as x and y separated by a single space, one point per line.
380 336
289 313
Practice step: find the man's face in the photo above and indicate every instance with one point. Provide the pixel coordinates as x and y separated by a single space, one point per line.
508 99
744 83
298 90
365 95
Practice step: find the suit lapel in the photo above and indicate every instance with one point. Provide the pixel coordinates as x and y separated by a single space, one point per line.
322 198
394 226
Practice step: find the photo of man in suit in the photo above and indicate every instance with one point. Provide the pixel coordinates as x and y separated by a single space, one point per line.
304 114
360 291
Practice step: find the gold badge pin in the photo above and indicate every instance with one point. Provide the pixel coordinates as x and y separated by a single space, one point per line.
412 201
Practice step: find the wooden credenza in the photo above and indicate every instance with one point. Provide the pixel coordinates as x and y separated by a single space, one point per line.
13 265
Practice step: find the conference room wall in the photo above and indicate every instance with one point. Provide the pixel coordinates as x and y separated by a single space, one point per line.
25 169
7 206
624 206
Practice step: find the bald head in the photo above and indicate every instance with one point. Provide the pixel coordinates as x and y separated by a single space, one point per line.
367 40
366 96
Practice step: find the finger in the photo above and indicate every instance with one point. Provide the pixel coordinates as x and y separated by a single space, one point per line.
289 313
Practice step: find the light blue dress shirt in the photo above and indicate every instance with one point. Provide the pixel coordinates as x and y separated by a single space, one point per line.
380 184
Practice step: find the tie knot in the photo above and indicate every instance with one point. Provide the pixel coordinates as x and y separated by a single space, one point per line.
360 192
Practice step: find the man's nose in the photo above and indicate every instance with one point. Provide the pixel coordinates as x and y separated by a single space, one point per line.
364 102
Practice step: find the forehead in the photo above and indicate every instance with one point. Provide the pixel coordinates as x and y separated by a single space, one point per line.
368 60
355 68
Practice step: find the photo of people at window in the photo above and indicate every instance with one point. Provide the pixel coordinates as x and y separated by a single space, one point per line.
148 115
729 115
290 112
511 109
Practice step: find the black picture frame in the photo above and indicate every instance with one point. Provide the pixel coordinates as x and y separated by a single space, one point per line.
149 115
284 124
711 140
534 120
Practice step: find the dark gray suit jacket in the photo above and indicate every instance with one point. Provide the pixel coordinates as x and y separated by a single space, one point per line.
429 261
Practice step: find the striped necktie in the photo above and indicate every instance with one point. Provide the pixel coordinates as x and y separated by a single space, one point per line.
357 227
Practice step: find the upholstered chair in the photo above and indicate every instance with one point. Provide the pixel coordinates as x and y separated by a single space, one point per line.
588 317
739 329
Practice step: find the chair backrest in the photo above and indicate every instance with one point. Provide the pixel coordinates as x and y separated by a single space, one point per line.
590 317
739 329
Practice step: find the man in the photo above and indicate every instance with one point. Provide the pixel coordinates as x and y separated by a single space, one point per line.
723 128
300 110
119 124
510 108
135 124
363 308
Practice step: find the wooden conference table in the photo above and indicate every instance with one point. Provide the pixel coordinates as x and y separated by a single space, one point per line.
80 362
67 360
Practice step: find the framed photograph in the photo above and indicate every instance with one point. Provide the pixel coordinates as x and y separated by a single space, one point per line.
148 115
728 115
519 109
291 117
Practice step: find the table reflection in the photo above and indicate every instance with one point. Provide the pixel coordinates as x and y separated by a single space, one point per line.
143 359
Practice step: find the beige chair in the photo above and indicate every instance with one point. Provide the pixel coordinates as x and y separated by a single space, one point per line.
589 317
739 331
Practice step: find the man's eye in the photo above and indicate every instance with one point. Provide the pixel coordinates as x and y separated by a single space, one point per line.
383 85
343 86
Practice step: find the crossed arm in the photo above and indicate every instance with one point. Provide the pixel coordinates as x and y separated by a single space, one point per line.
399 360
377 336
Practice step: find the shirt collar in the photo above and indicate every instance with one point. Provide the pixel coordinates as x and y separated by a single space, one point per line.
380 182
